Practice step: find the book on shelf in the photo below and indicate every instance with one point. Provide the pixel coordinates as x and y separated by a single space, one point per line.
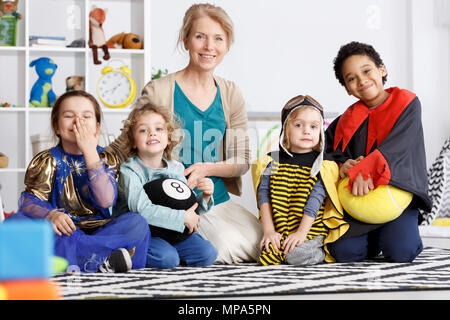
32 37
47 41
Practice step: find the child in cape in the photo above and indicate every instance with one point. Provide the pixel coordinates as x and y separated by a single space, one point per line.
73 185
378 141
151 132
290 192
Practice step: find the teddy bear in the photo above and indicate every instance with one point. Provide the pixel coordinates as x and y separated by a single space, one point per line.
74 83
42 94
125 41
9 7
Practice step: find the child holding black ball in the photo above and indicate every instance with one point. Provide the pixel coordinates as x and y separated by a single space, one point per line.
151 132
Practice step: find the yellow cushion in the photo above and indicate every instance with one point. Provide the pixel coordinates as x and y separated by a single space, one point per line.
381 205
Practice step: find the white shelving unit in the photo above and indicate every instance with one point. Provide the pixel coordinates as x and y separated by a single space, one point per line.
67 18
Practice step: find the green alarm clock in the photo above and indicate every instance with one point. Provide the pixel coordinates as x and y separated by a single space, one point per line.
115 87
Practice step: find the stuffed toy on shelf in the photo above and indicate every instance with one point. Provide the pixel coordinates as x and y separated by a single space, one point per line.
97 39
74 83
42 94
125 41
9 7
3 160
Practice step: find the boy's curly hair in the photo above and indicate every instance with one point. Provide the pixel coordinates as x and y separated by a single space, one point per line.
351 49
144 105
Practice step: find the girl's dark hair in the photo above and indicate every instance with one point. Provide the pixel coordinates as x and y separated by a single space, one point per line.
351 49
75 93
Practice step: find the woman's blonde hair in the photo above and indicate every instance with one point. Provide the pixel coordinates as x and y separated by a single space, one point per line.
206 10
144 105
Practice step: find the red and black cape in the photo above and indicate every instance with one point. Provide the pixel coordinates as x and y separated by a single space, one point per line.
390 137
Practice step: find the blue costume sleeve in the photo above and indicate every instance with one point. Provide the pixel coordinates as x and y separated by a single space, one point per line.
103 185
264 186
315 200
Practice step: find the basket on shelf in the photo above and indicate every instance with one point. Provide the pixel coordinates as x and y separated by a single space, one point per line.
41 142
8 30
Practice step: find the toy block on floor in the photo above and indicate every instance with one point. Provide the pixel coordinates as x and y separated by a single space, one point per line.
3 295
36 289
26 249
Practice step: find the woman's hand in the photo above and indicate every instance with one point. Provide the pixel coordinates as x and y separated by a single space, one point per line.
196 172
61 222
350 163
207 186
191 219
268 238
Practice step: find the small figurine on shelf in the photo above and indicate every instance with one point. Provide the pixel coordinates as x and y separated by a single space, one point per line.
96 34
3 161
9 7
42 94
74 83
4 105
8 22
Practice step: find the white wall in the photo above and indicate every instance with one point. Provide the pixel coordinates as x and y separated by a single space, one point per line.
286 47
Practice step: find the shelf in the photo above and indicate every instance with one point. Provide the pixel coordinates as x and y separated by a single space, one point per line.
12 48
10 109
57 49
68 19
13 170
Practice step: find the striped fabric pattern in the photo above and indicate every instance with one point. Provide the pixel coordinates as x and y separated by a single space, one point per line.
290 187
439 186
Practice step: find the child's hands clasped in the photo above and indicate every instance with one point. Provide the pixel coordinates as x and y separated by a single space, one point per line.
293 240
350 163
61 222
360 186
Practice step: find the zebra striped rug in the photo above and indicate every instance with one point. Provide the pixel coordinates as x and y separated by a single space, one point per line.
430 271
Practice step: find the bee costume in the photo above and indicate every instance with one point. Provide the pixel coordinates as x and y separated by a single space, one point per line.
292 178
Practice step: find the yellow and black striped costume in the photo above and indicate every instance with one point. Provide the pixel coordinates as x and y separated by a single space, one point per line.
333 215
290 187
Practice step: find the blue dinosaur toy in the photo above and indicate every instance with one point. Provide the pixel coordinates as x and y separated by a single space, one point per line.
42 94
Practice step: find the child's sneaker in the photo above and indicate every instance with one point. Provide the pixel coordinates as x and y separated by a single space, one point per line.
118 261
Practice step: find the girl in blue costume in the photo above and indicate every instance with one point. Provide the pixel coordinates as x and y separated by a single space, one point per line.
73 185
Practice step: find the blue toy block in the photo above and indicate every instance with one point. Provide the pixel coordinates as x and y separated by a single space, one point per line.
26 249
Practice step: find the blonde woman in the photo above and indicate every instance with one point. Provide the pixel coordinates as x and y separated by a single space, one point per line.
214 122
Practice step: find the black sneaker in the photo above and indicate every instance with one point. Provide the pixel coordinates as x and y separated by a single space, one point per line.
118 261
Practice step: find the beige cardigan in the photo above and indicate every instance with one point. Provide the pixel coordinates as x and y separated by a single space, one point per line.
235 146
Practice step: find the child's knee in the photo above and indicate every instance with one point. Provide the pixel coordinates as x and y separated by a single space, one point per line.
209 255
167 260
136 225
403 253
348 250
